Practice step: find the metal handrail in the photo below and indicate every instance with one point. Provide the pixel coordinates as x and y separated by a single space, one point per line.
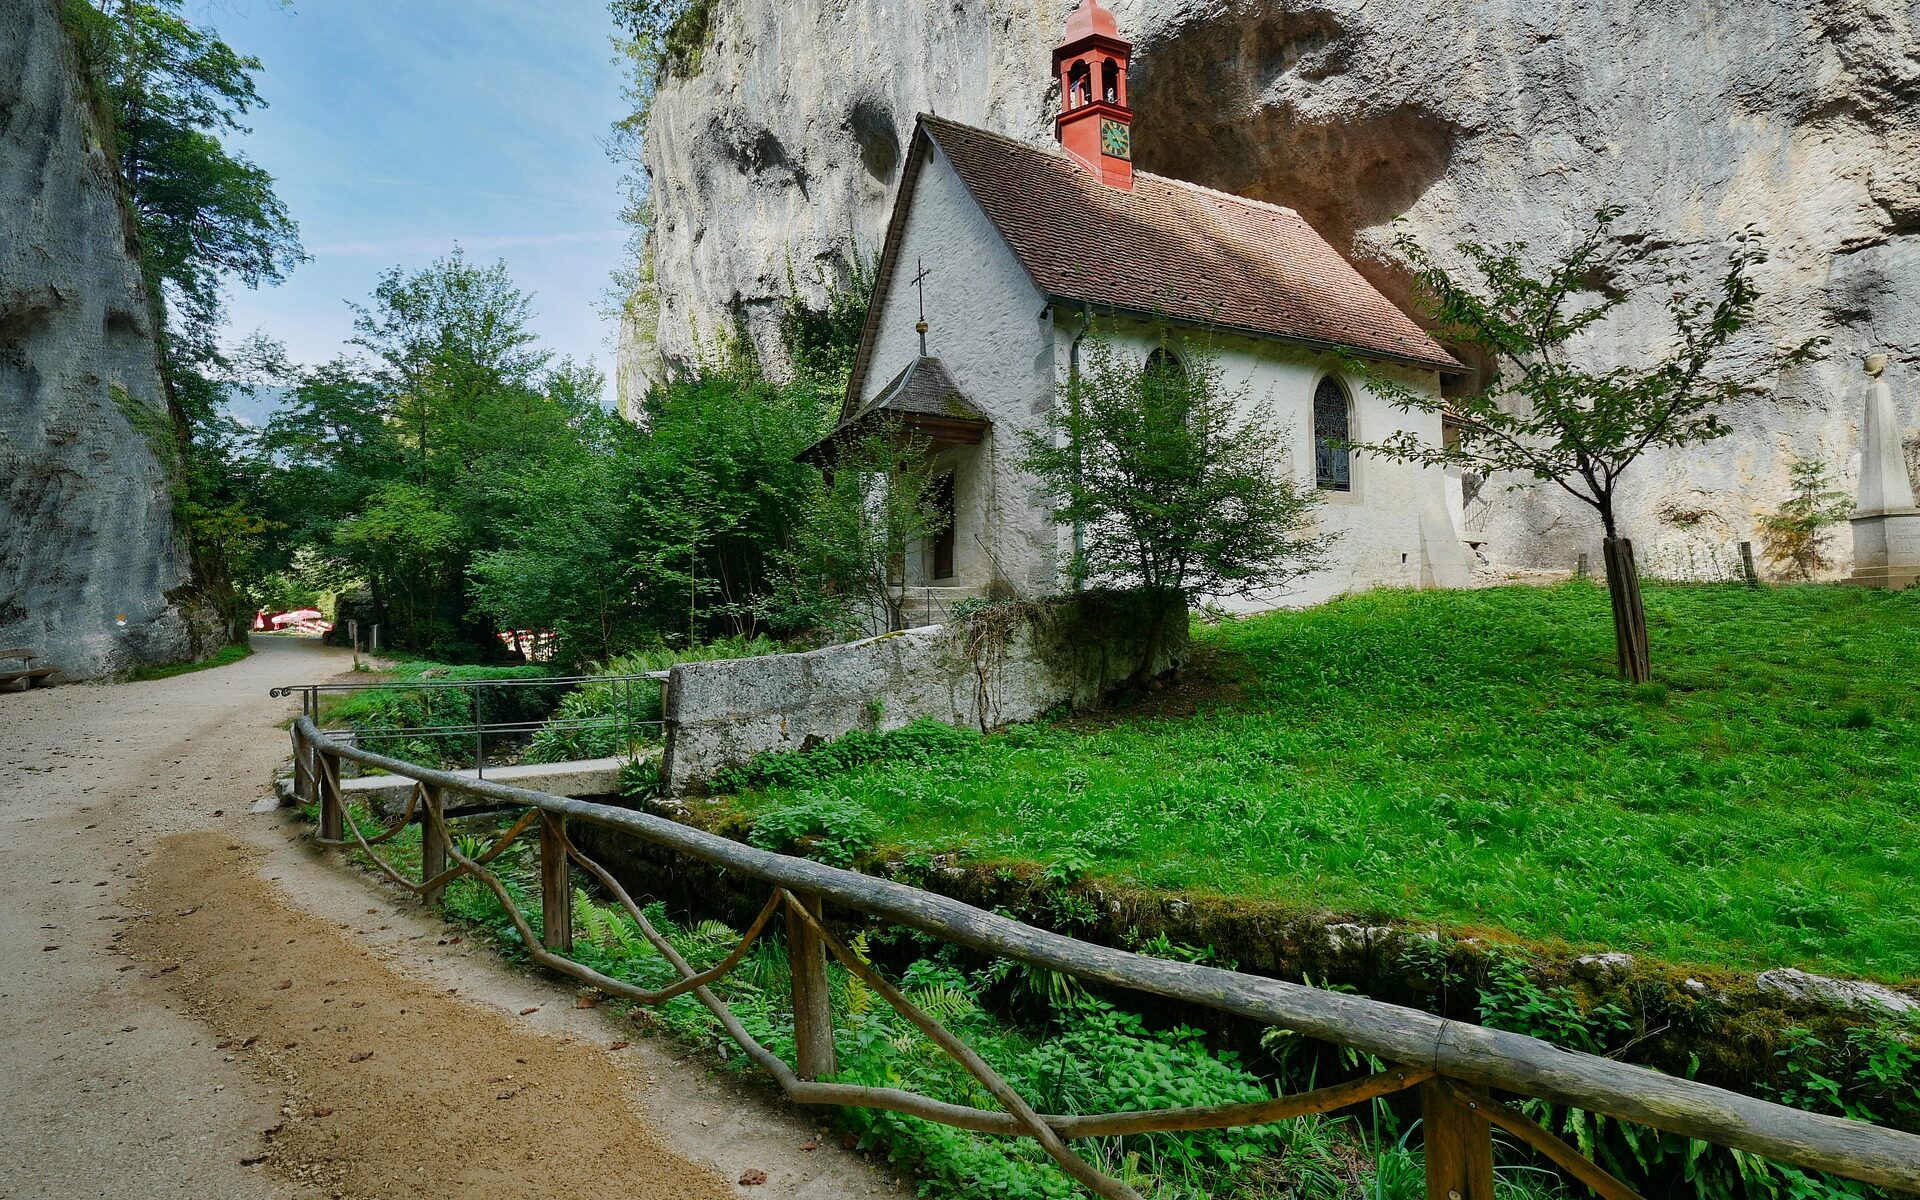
477 728
1463 1057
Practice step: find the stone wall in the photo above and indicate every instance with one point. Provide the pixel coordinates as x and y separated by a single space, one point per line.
1485 119
93 576
999 666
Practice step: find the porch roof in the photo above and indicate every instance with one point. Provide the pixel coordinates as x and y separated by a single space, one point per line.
926 402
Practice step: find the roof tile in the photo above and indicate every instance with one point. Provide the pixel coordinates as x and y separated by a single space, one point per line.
1176 248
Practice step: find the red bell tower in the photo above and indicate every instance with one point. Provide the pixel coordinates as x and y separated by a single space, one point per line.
1095 124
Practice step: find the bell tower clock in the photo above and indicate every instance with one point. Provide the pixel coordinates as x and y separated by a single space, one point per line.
1095 125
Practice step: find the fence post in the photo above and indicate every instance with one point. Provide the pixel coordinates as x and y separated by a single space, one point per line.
433 849
1746 565
303 790
812 1001
1459 1146
332 818
556 885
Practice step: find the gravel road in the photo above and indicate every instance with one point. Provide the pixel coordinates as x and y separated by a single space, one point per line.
197 1003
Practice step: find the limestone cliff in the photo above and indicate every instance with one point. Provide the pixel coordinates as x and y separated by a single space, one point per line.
1484 119
91 569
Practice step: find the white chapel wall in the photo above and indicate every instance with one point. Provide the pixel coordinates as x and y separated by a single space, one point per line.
1394 522
987 328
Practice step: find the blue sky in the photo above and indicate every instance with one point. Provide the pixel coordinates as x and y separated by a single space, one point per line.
397 128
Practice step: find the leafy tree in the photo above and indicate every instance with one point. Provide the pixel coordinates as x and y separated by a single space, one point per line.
409 547
1796 533
1177 484
568 562
170 92
848 556
1550 416
450 343
206 213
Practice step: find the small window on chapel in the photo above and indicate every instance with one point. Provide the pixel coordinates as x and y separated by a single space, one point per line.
1079 85
1332 427
1110 82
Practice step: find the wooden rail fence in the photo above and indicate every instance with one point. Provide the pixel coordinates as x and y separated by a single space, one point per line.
1455 1066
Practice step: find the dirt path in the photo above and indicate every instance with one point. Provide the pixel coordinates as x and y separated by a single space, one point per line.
198 1004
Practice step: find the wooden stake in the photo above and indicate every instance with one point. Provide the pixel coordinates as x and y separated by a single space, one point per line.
1629 610
1746 564
556 885
333 824
1459 1146
812 1002
433 847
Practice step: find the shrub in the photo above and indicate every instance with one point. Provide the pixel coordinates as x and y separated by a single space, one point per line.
831 828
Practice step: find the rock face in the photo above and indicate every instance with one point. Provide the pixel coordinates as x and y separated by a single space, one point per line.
1491 120
92 574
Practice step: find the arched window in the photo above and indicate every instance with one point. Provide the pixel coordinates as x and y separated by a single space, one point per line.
1110 82
1332 427
1164 384
1079 85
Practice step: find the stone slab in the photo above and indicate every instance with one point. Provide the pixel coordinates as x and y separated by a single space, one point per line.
585 777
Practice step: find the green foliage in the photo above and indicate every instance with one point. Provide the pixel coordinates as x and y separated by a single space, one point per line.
400 721
822 343
1466 759
858 525
206 213
1795 534
1174 483
829 828
617 716
169 94
1548 415
1083 1056
1511 1000
1872 1074
456 437
921 743
224 656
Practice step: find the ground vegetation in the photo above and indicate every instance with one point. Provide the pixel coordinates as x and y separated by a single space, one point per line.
1467 761
1552 409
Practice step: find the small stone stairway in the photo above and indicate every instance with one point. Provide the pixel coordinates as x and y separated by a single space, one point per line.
932 605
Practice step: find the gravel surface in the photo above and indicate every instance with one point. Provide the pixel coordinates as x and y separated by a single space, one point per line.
198 1003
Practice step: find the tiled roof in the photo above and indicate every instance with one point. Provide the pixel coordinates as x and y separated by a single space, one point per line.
924 389
926 400
1175 248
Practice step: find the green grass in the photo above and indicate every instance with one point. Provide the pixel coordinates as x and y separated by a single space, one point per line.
223 657
1469 759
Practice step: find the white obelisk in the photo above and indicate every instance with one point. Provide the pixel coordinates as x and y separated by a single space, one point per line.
1886 523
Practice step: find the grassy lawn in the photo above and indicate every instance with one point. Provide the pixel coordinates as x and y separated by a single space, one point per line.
223 657
1469 759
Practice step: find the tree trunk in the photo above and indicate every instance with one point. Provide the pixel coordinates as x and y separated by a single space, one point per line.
1629 610
1156 634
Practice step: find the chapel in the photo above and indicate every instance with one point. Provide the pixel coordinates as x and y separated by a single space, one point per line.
999 257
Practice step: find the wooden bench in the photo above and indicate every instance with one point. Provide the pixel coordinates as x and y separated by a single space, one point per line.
20 680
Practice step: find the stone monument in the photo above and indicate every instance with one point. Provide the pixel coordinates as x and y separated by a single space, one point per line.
1886 524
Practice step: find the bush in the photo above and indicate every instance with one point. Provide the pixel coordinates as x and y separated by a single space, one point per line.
924 740
830 828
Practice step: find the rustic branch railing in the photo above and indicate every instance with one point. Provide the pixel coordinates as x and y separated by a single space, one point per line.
1455 1066
472 728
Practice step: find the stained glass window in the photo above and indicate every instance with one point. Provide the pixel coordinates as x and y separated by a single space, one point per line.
1332 427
